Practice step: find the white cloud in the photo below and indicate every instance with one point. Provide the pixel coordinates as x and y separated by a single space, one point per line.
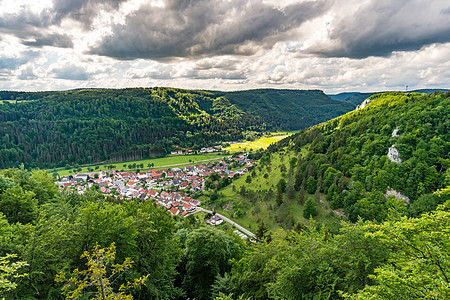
225 45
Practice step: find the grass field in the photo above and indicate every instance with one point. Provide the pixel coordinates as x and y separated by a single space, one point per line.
250 210
158 163
261 143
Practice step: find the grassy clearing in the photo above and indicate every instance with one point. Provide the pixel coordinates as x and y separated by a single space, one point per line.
15 101
158 163
256 206
261 143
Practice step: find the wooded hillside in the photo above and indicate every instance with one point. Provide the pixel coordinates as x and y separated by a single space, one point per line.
50 129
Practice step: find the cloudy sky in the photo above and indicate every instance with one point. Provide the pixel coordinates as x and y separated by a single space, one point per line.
332 45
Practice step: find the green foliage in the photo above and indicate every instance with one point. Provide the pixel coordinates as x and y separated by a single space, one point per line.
309 210
419 265
18 205
99 277
309 264
207 254
9 271
57 129
311 185
282 185
350 152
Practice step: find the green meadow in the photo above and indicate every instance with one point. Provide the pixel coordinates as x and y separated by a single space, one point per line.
153 163
256 205
261 143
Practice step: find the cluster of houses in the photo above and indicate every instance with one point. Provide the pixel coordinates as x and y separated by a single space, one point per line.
203 150
170 188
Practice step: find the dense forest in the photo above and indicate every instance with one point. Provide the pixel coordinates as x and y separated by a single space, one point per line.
55 129
347 157
386 248
357 98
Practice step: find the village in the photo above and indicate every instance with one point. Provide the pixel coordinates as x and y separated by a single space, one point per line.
170 188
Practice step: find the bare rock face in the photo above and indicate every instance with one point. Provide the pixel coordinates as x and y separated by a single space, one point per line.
398 195
362 105
394 155
395 132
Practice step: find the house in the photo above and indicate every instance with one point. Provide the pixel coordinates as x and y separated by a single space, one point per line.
187 207
152 193
183 185
81 177
174 211
195 202
215 220
103 184
68 184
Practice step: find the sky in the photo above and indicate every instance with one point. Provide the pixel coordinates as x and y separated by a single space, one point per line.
331 45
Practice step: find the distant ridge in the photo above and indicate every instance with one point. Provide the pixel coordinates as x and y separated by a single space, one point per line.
357 97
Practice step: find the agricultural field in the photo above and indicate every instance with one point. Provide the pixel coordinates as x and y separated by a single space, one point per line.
144 164
261 143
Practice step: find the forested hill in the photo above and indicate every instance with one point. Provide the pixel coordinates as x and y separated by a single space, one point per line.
397 146
48 129
389 246
357 98
287 109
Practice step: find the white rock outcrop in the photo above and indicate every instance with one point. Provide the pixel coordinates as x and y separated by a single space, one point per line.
394 155
362 105
395 132
398 195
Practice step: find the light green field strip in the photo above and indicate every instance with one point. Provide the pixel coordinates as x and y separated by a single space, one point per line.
261 143
169 161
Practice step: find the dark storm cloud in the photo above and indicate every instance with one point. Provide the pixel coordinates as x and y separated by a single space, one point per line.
83 11
384 26
34 28
204 28
71 72
56 40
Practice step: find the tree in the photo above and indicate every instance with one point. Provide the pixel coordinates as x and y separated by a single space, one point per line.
282 185
301 196
311 185
419 265
310 209
261 231
8 272
5 183
279 196
99 277
290 192
158 252
207 255
18 205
